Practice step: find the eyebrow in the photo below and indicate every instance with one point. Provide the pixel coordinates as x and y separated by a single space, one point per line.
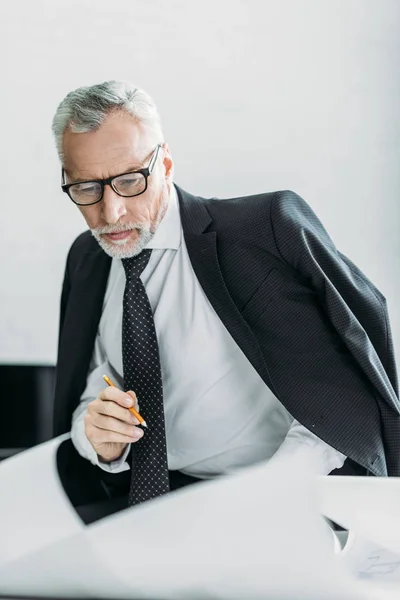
128 170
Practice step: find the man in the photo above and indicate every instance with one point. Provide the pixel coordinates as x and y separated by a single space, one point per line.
236 326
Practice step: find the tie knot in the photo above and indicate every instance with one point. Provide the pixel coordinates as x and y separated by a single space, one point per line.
135 266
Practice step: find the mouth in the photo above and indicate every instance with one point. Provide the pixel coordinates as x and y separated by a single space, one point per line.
119 236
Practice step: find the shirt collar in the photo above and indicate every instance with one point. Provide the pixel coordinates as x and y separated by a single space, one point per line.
169 231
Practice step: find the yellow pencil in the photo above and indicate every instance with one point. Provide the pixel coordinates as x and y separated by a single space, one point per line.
132 410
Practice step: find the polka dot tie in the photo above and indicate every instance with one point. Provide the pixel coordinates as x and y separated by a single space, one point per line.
142 374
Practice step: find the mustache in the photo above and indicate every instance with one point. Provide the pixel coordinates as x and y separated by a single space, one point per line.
119 228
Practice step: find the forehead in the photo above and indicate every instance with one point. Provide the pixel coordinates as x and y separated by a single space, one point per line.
120 143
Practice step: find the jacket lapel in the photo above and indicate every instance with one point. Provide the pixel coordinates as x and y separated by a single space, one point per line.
202 250
79 329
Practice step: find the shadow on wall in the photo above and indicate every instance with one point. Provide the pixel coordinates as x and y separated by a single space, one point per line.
26 396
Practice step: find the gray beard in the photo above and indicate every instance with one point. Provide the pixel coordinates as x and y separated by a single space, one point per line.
116 251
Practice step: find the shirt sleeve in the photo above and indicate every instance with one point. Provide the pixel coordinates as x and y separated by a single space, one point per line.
99 366
325 458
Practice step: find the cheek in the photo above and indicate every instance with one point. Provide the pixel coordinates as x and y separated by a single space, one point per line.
156 200
140 209
92 215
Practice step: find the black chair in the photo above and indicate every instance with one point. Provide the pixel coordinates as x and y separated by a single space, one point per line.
26 404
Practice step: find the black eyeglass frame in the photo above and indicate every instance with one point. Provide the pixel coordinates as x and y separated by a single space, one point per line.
146 172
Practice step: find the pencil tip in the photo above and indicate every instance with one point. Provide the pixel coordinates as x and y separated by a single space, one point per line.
144 424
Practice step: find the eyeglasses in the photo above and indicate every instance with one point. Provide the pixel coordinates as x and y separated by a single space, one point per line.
85 193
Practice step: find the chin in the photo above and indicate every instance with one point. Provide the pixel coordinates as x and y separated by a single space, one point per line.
127 249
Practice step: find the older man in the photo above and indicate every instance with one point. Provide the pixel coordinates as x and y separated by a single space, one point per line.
237 326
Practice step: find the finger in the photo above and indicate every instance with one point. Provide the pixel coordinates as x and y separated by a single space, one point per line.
116 395
135 400
111 425
100 436
112 409
114 436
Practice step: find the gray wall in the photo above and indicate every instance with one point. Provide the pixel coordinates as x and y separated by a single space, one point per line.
255 96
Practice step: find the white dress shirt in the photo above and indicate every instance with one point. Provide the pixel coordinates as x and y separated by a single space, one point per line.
219 414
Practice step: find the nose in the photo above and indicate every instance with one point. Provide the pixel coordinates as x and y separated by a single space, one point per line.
113 205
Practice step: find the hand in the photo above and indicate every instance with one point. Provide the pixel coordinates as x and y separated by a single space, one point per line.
109 425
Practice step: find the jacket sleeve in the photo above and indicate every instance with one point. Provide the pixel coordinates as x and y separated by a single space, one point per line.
355 307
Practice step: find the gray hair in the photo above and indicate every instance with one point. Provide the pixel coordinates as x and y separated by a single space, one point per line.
86 108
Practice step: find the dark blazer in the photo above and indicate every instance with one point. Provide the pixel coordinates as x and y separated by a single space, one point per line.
309 321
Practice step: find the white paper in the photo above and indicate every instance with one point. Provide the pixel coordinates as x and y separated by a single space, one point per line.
370 561
69 568
34 511
256 535
368 506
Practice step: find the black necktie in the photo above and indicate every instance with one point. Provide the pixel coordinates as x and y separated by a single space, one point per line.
142 374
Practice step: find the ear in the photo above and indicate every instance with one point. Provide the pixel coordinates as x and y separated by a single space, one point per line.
168 161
